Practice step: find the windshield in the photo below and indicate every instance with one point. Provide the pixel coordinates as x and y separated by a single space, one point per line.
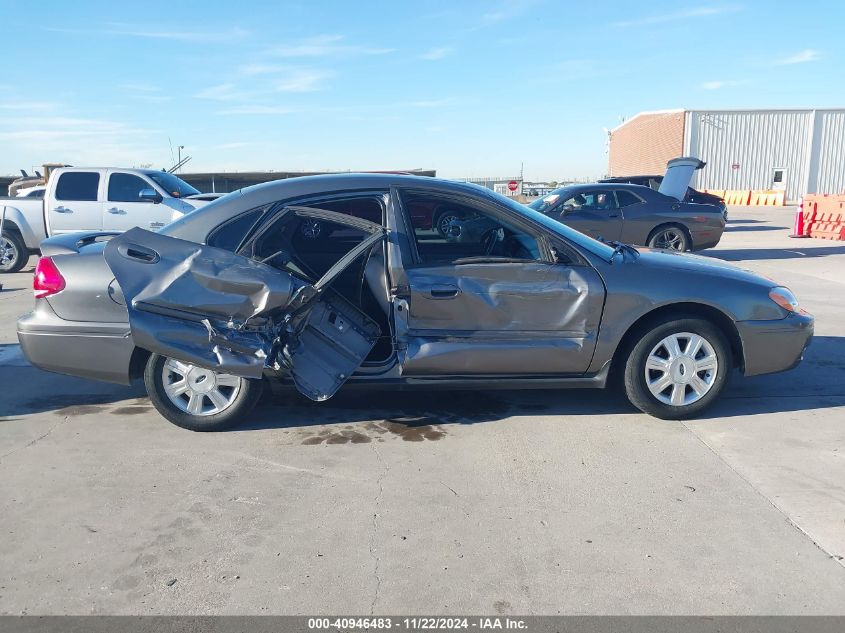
173 185
529 211
544 204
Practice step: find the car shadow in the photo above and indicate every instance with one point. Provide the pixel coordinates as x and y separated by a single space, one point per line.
817 383
730 229
362 415
799 251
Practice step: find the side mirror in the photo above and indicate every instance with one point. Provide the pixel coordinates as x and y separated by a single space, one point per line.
149 195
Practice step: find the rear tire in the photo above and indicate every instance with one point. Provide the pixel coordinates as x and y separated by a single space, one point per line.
234 397
13 252
677 368
672 237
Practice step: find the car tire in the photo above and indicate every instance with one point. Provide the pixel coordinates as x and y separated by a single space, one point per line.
13 252
240 395
672 237
441 224
690 356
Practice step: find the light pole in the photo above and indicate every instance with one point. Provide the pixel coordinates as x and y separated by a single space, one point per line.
179 149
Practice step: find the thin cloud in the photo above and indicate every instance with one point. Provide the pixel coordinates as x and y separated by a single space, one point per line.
27 105
257 110
505 10
325 46
719 84
78 140
433 103
303 81
802 57
437 53
678 16
222 92
139 86
158 33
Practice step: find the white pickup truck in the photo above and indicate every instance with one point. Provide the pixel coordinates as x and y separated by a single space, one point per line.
92 199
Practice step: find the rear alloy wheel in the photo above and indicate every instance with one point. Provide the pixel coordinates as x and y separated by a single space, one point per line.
677 369
672 238
197 398
13 253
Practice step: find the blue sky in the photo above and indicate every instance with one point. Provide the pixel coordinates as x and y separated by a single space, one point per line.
467 88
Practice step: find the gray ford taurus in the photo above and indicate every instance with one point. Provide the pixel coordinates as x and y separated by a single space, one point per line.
245 291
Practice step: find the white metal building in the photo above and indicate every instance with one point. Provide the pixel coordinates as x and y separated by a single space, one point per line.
797 150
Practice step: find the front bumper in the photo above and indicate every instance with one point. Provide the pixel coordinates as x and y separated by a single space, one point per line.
99 351
773 346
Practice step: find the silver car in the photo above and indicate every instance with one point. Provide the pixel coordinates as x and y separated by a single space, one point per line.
235 294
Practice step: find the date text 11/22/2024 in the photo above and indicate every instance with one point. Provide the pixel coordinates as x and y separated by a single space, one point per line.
415 624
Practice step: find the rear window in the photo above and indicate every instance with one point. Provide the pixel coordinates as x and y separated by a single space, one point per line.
231 234
78 185
626 198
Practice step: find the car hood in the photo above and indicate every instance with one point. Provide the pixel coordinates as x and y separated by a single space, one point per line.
673 261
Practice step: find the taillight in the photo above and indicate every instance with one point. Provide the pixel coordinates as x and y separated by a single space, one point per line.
48 280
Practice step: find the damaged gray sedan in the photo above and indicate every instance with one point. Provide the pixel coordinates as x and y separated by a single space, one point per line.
245 291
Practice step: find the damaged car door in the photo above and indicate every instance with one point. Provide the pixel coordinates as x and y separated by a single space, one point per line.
228 312
500 301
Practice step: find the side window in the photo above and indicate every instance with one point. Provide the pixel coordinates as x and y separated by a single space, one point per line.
232 233
312 246
449 231
590 201
626 198
126 187
78 185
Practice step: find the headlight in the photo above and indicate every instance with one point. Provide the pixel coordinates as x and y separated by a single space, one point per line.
785 299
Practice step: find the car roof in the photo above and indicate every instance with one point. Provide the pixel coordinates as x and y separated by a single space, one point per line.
623 179
608 185
196 224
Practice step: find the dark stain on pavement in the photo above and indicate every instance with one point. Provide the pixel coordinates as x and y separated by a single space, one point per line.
131 410
409 431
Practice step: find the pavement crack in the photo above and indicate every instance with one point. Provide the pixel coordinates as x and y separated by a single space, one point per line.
36 440
376 504
780 510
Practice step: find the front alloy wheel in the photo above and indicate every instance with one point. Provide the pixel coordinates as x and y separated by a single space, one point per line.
197 398
678 368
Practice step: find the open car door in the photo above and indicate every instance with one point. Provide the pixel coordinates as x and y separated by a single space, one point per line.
216 309
679 173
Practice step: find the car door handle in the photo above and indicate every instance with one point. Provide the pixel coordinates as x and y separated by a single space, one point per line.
138 253
615 215
62 210
116 211
443 291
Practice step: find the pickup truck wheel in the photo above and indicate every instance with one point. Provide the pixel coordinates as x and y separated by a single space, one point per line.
13 253
196 398
678 368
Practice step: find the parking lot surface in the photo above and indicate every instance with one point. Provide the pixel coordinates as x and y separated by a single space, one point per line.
488 502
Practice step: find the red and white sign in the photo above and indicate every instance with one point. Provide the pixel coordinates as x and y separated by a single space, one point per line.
513 185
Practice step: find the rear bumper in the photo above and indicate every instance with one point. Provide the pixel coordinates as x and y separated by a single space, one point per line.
773 346
99 351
